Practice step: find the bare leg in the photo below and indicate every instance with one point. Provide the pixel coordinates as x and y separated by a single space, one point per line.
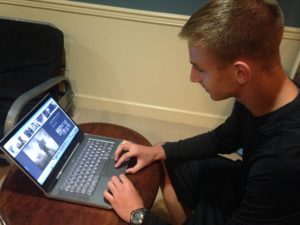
174 207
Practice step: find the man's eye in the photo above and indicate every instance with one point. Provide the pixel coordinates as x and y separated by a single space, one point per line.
199 70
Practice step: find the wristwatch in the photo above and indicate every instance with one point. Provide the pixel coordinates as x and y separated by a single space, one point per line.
137 216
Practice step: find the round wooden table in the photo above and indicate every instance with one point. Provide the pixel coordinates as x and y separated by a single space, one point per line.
22 203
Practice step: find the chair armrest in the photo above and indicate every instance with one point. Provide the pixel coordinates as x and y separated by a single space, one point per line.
17 106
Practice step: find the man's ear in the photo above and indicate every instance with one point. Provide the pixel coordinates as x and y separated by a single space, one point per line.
243 72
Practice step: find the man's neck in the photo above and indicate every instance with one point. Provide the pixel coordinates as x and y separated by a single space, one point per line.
268 93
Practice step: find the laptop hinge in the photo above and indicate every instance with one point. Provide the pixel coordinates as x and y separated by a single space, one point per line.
63 168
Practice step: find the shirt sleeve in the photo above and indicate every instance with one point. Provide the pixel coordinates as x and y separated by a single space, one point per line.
151 219
224 139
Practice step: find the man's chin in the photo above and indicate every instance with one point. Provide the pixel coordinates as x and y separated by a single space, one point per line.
218 98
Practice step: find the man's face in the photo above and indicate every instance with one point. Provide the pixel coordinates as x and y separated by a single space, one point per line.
219 82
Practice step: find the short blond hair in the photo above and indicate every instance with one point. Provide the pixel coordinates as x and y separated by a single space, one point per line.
237 28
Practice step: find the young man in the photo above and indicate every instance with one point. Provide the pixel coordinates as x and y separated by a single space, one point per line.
234 52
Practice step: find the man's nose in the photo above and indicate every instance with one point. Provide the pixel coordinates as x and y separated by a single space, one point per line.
194 76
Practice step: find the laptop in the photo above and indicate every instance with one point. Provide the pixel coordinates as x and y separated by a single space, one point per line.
65 163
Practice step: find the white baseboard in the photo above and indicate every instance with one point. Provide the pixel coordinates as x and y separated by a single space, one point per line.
148 111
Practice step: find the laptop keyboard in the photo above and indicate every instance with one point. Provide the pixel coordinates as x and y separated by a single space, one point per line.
86 171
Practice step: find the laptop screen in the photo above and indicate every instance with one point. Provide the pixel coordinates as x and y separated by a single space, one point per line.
41 141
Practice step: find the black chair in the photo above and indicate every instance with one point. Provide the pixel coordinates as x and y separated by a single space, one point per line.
32 64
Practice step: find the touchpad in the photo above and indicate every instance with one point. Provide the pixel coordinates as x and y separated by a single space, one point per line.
110 169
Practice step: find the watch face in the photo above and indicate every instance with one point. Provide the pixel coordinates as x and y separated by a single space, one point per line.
137 217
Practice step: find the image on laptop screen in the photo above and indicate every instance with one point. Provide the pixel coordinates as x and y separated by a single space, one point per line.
41 141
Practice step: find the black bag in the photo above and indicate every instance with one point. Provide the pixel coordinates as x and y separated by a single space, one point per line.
31 53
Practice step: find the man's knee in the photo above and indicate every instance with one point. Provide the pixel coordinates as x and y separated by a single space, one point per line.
177 211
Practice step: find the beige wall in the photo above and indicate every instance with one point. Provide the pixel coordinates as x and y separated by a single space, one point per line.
131 61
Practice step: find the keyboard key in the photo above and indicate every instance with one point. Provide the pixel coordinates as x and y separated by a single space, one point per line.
85 172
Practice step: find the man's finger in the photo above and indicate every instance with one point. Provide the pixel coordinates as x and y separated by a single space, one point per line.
108 196
124 157
132 170
123 178
112 185
123 146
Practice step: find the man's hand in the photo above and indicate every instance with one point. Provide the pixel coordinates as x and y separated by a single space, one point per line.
123 196
145 155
